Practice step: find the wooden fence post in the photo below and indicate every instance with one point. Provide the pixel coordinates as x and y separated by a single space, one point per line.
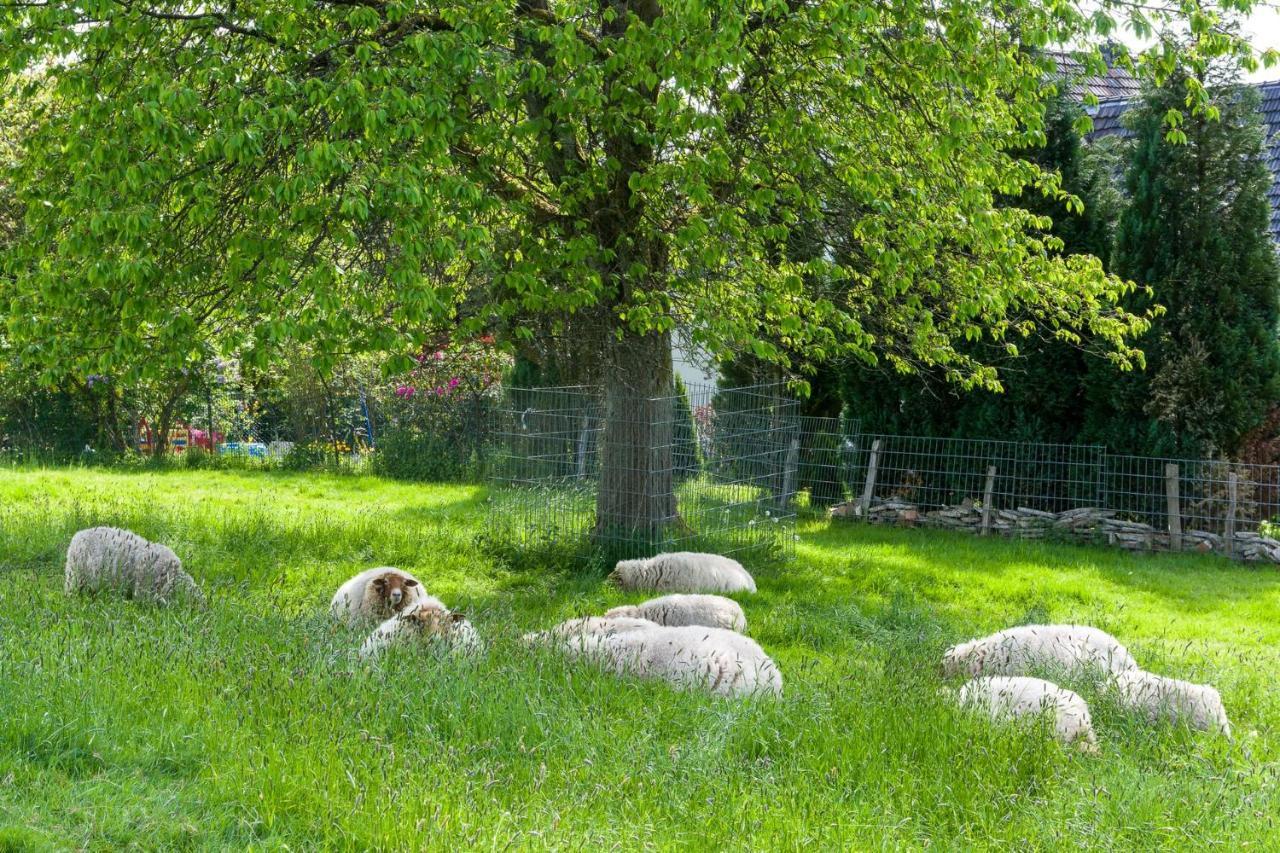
1174 505
790 467
1230 532
987 496
872 464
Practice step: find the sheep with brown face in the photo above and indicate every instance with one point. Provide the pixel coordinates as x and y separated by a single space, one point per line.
378 593
423 622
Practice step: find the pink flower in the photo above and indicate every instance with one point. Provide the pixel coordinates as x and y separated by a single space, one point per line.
439 355
439 391
453 383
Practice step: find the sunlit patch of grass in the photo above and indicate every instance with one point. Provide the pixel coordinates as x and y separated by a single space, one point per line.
250 723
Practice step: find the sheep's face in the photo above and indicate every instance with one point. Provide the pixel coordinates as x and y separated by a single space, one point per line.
393 589
433 621
956 660
624 571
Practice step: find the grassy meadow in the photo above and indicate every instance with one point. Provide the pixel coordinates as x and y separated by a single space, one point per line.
249 724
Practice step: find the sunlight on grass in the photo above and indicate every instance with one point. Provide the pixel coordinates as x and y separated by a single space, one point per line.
251 724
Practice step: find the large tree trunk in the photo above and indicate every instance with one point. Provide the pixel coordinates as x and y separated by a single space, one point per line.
637 500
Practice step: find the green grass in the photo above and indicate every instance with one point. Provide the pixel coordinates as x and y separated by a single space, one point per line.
248 724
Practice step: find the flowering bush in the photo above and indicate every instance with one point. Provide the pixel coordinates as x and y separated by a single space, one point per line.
436 421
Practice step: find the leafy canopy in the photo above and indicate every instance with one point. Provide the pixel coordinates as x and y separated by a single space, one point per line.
348 174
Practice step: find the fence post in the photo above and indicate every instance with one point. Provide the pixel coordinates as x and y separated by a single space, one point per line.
1174 505
790 466
1230 532
872 464
987 496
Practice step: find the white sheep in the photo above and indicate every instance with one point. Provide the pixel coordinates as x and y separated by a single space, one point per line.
422 621
683 571
589 626
103 558
379 593
1157 697
721 662
1011 697
712 611
1018 651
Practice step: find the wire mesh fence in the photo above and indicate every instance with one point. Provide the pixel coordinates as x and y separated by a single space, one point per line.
710 469
1035 490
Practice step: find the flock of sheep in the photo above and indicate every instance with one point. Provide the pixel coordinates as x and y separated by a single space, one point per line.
692 636
999 666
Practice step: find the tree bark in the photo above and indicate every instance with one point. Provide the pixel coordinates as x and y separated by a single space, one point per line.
160 442
637 500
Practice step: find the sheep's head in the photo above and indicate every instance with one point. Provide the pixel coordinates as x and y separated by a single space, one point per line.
1218 713
393 589
624 571
1087 743
624 610
957 660
433 621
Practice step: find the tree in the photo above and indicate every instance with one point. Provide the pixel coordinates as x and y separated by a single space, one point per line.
1197 231
1044 379
345 174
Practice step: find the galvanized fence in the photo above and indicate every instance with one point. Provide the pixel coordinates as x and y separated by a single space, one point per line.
1063 491
710 470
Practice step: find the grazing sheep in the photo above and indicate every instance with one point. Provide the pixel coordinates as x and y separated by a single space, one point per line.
422 621
712 611
102 558
379 593
721 662
1017 651
1157 697
683 571
1005 697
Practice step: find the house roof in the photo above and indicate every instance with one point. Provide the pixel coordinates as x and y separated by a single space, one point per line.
1107 121
1116 83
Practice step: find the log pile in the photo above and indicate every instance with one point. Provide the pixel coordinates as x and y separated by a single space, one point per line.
1088 524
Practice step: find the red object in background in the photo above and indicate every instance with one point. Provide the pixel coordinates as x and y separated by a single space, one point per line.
200 438
179 437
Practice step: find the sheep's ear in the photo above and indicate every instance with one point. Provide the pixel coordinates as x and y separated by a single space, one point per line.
379 583
458 616
410 582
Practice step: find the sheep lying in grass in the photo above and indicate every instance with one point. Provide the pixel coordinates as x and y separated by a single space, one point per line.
107 558
1005 697
1157 697
595 626
721 662
683 571
712 611
1018 651
422 622
379 593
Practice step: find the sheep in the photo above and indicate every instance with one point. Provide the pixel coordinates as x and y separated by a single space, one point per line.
379 593
589 626
722 662
422 621
683 571
1157 697
712 611
1005 697
1017 651
102 558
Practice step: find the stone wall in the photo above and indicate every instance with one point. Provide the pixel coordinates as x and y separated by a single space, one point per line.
1086 524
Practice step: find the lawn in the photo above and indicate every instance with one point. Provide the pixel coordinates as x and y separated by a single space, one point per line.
249 723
